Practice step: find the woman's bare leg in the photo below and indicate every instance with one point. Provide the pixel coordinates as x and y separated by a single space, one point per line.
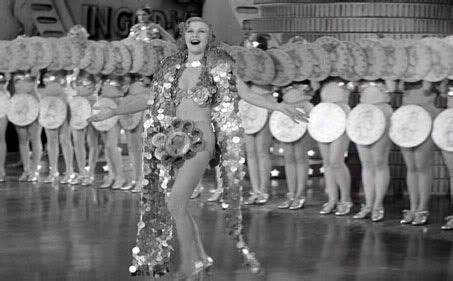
329 176
368 174
111 148
135 149
290 168
252 162
342 176
79 149
380 152
66 147
186 180
34 133
3 125
263 142
424 161
411 178
302 164
24 149
53 149
93 145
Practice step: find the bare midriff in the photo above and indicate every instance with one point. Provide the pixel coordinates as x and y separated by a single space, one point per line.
190 110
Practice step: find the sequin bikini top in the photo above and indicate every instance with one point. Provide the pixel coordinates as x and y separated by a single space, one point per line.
200 95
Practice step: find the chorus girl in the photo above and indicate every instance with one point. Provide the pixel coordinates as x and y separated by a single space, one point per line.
4 95
374 157
295 153
53 83
336 173
87 86
25 83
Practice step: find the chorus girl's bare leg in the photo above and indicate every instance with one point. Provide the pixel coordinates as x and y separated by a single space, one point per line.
93 145
53 149
380 152
411 177
424 161
79 148
263 143
290 168
3 125
329 176
252 162
342 176
368 174
302 165
66 147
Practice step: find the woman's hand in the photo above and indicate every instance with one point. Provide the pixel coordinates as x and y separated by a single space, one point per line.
292 112
103 114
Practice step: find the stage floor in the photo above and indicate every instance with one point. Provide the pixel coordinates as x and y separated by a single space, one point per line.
77 233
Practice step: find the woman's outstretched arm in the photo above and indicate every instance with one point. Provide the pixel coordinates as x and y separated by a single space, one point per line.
267 101
133 104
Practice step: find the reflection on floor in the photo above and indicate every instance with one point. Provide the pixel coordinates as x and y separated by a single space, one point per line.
75 233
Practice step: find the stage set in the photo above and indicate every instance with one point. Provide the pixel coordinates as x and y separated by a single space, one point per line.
327 127
77 233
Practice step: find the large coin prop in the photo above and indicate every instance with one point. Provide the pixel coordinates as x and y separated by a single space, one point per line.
52 112
80 111
327 122
130 121
410 126
4 104
284 129
24 109
253 118
442 133
365 124
106 124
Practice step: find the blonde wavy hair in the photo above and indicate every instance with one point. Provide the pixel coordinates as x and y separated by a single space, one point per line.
180 42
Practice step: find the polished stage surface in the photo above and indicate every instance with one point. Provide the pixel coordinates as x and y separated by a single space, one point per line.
77 233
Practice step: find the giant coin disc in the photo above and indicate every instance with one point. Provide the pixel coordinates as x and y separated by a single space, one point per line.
365 124
52 112
410 126
24 109
253 118
109 123
80 111
327 122
442 133
284 129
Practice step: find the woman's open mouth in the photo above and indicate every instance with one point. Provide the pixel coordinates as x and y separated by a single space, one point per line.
195 41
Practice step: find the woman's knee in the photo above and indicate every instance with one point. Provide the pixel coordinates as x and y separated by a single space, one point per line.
175 207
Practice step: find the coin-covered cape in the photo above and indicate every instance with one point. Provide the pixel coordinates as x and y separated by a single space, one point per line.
217 89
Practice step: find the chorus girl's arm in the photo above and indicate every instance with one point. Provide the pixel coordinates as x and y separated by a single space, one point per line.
133 104
267 101
165 35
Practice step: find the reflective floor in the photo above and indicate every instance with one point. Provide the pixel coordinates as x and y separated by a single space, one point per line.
76 233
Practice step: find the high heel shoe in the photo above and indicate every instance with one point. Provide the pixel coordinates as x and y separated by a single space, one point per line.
328 208
408 217
216 195
33 177
197 191
118 183
198 268
207 265
343 208
262 198
377 215
364 213
107 183
449 224
297 204
252 199
421 218
51 178
24 176
87 180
